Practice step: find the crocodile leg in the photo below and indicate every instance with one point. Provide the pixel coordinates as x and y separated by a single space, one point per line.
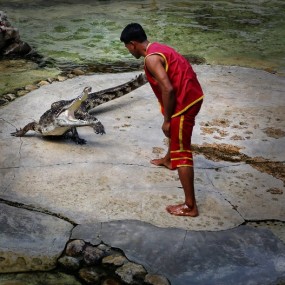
75 136
29 127
98 128
92 121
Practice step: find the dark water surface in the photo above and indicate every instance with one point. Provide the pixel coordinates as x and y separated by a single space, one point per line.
231 32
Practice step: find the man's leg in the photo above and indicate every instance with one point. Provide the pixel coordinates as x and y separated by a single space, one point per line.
189 207
181 157
164 161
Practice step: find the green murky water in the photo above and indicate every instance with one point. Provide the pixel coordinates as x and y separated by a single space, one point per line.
247 33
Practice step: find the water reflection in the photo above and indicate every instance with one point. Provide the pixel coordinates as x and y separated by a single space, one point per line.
247 33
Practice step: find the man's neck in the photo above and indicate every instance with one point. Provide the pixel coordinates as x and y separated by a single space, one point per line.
145 46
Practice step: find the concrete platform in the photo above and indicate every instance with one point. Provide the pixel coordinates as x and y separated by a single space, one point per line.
239 141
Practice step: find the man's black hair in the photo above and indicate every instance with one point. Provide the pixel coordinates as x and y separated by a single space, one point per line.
133 32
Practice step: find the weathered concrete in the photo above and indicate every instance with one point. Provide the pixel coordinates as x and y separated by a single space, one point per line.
29 240
235 256
110 178
133 134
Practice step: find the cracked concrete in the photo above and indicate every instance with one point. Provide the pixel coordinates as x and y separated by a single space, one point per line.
25 244
196 257
240 126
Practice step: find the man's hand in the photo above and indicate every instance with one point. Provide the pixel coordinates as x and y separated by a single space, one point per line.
166 128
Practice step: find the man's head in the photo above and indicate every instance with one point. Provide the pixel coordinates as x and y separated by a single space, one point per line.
132 36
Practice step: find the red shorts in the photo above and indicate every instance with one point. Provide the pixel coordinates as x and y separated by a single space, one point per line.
181 128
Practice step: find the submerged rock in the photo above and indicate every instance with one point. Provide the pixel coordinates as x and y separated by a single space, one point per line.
155 279
130 272
69 263
90 275
104 265
75 248
36 278
93 255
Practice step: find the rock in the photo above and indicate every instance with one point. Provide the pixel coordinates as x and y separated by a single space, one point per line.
61 78
50 80
111 281
104 247
9 96
78 71
22 92
10 42
115 259
70 75
42 83
130 272
154 279
31 87
90 275
70 263
75 248
3 101
93 255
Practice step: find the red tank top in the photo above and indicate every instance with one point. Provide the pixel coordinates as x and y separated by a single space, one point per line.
181 75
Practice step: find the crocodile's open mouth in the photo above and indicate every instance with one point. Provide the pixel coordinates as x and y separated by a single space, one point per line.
67 115
67 112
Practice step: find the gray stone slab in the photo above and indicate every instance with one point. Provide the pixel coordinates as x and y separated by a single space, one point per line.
110 178
29 240
239 256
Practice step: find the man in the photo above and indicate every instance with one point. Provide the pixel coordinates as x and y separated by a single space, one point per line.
180 95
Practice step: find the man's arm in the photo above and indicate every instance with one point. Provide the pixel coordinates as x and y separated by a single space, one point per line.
155 64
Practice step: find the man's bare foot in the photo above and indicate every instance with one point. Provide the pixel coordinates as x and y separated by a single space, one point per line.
161 162
182 210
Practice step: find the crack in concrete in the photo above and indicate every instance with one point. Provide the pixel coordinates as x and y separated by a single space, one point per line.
263 221
74 163
36 209
186 232
213 152
234 207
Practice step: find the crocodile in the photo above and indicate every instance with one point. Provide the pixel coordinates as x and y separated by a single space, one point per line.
65 116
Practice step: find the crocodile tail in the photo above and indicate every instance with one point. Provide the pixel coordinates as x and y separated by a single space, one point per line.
103 96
